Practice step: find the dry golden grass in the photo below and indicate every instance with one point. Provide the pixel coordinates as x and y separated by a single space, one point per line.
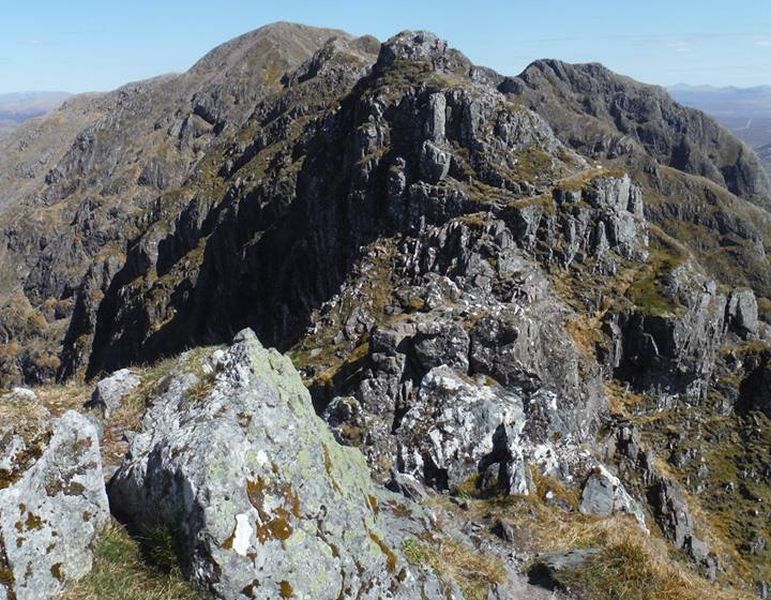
586 333
551 485
24 416
630 565
61 398
621 400
473 571
628 570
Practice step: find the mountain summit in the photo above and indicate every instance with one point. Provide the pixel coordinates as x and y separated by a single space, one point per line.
544 294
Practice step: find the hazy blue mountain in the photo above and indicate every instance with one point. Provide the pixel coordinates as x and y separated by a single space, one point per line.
17 107
746 111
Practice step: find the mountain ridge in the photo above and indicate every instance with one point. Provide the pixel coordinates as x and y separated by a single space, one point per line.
493 286
200 130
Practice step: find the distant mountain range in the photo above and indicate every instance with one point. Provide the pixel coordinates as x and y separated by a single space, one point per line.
18 107
746 111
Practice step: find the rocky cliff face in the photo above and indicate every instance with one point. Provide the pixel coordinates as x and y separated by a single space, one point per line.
542 287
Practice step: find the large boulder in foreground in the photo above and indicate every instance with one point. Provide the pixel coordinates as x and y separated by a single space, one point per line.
52 499
233 461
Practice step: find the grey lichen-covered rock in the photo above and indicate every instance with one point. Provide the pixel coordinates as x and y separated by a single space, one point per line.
51 512
673 351
263 501
457 429
619 203
434 162
604 494
110 391
742 313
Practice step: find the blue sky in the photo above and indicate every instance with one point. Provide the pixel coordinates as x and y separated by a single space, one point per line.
85 45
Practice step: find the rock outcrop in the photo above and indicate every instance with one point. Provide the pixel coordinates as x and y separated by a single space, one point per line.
490 328
664 496
52 500
110 391
457 430
671 345
604 494
742 313
265 504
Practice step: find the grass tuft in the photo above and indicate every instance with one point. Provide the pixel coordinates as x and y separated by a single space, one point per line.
472 570
121 572
627 571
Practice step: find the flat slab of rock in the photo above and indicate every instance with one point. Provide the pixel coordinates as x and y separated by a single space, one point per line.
545 571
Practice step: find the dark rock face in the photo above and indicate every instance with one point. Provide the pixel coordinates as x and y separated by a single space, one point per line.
676 352
755 390
672 512
107 177
317 213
